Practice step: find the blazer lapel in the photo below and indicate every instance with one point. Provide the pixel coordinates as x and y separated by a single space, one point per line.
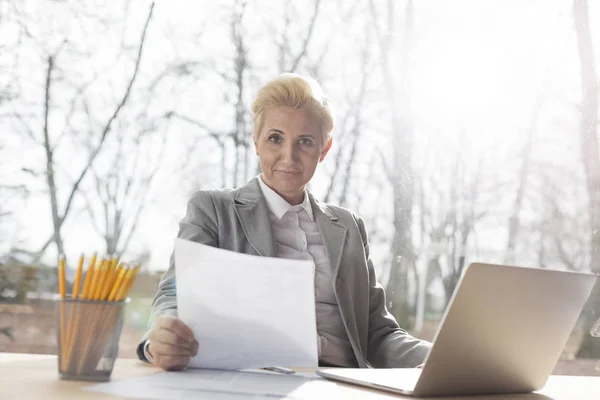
252 212
332 233
334 238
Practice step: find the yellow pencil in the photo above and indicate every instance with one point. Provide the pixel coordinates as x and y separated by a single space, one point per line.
86 332
130 283
110 279
101 279
78 278
61 290
117 284
106 318
74 295
113 282
95 279
61 275
88 278
124 284
75 325
115 262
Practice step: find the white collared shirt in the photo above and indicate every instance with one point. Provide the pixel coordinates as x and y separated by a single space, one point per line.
297 236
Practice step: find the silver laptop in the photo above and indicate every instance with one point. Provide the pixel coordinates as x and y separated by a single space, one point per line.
503 332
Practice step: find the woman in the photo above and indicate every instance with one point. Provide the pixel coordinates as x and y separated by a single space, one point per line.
274 215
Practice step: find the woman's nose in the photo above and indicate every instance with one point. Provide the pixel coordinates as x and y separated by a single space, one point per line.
290 152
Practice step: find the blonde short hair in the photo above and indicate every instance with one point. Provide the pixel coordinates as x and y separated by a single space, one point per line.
295 91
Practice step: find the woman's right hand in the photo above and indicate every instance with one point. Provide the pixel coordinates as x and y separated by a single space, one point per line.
172 344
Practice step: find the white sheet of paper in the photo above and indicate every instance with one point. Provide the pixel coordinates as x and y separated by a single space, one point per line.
220 385
246 311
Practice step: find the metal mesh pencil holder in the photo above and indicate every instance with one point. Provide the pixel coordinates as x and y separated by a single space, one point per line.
88 334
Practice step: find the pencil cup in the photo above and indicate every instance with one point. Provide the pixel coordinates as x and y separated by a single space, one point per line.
88 334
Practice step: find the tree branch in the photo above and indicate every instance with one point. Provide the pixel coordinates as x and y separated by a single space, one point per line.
308 36
105 131
143 196
50 176
108 125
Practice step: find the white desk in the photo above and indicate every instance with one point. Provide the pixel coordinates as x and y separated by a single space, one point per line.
27 376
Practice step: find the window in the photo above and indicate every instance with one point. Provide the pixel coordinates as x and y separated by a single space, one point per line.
464 132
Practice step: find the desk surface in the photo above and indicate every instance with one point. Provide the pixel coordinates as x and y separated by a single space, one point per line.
35 377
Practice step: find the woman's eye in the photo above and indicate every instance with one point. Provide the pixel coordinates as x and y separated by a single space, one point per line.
275 139
306 142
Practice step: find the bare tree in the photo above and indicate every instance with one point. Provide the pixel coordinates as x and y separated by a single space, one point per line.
524 176
240 138
221 138
123 192
60 215
397 81
560 230
350 130
288 60
448 212
63 103
10 196
590 154
56 218
13 191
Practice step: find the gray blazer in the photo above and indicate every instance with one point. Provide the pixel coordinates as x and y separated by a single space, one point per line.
238 220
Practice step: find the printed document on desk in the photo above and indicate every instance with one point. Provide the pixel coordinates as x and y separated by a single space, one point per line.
201 384
246 311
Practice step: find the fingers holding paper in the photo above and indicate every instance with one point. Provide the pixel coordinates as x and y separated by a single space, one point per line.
172 343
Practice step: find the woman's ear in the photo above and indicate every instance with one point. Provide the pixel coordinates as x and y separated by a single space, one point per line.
325 149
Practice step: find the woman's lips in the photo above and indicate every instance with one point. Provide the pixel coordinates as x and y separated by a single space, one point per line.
288 172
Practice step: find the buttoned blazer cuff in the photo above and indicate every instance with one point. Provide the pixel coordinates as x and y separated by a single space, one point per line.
147 354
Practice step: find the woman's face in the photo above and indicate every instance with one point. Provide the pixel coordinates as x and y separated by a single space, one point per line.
289 146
